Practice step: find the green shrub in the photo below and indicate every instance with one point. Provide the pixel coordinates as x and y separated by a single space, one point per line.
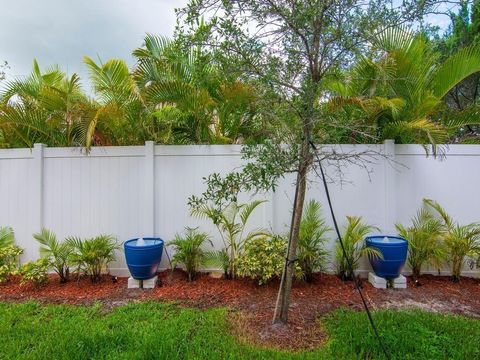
189 250
424 238
263 259
91 256
59 254
8 261
311 253
35 272
355 247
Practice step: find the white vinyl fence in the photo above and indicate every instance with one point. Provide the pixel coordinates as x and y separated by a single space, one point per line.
140 191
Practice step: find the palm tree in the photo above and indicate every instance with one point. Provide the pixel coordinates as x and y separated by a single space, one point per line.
122 117
46 107
189 250
425 242
313 229
58 254
231 223
191 97
354 246
461 241
401 88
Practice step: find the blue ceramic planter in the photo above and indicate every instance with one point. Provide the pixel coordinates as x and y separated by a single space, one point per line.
394 250
143 260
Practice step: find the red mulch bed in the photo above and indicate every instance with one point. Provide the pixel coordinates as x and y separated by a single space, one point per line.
252 305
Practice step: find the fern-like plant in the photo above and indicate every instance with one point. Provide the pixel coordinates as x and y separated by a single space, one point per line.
58 253
190 250
91 256
355 247
313 229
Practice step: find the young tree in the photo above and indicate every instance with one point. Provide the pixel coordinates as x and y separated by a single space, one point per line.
290 48
3 67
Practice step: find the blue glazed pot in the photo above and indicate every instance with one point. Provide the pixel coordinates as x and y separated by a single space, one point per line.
394 250
143 261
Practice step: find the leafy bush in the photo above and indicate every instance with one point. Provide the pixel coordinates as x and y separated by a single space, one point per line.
8 261
231 223
91 256
35 271
58 254
263 258
424 238
189 250
461 241
311 253
355 247
6 236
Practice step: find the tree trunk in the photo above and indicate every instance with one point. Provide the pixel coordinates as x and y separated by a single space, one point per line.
283 298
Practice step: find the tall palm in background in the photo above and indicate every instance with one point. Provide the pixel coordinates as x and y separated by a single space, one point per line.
191 97
47 107
123 117
401 88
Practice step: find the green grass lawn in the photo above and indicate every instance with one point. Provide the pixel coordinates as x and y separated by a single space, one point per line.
165 331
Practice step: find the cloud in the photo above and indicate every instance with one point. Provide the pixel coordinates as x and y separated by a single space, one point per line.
63 31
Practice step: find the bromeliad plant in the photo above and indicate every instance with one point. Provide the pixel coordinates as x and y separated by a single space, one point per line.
461 241
231 223
424 238
190 251
313 229
355 247
91 256
59 254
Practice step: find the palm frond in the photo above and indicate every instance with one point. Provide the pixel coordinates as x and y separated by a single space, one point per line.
7 236
455 69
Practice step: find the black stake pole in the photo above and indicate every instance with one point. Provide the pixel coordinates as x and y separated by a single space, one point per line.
349 263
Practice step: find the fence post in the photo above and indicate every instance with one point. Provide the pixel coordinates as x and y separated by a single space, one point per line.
390 191
37 201
149 183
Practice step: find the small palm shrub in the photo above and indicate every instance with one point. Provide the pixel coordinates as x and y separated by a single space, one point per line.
190 250
424 238
313 229
355 247
263 258
461 241
219 259
35 272
8 261
231 223
91 256
58 253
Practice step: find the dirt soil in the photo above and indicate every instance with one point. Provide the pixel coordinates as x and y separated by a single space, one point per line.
251 306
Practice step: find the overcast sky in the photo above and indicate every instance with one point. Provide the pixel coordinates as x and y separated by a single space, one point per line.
63 31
